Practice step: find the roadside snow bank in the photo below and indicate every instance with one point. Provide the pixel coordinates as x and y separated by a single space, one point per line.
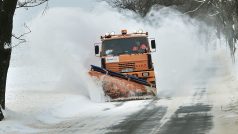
223 94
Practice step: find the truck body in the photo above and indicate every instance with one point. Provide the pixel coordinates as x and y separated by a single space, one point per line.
126 70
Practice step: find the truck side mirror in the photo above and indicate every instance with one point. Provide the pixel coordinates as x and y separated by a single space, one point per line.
153 45
97 53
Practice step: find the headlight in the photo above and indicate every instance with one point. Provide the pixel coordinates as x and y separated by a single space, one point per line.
145 74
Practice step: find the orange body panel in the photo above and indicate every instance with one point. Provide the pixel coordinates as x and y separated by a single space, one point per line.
136 63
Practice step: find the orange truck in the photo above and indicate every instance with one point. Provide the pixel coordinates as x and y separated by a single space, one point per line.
126 71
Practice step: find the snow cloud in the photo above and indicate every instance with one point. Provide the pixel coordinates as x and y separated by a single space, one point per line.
60 48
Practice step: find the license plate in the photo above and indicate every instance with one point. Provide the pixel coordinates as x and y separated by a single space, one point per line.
127 70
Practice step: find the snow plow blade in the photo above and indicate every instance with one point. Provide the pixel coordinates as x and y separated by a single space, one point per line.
121 87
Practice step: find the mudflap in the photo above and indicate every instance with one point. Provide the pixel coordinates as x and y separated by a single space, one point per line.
119 89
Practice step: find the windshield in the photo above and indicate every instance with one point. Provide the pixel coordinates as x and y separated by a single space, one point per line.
125 46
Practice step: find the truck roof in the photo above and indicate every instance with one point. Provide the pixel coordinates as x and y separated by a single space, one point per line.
123 35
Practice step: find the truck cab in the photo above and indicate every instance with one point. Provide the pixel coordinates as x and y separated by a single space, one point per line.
129 54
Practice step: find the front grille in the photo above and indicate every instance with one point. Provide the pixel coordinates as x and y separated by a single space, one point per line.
126 65
118 67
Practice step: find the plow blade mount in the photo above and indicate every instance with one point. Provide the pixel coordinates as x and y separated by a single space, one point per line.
120 87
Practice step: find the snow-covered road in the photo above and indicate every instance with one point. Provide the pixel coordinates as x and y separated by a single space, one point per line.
211 108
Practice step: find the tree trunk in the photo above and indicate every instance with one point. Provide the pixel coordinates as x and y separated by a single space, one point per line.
1 115
5 55
7 9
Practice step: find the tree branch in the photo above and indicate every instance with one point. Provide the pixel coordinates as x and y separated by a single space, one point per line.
197 8
20 38
31 3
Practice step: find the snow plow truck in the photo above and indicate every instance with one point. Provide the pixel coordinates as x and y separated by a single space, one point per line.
126 71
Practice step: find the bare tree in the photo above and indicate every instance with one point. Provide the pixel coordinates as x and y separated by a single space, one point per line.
7 10
222 14
141 7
